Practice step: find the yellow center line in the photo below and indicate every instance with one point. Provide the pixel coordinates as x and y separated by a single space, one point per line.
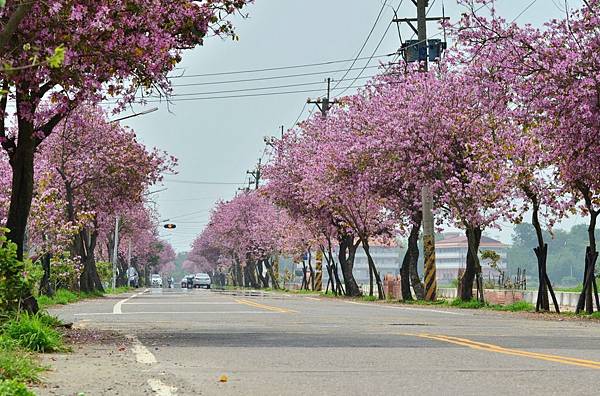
508 351
263 306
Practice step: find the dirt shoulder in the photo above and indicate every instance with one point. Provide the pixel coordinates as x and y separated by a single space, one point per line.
101 363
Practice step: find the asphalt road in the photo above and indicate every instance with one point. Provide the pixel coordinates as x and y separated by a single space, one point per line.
274 344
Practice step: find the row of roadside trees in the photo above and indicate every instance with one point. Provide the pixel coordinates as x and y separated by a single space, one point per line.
505 126
61 156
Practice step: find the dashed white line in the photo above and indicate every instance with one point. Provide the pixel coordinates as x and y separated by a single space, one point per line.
182 303
160 388
174 313
142 354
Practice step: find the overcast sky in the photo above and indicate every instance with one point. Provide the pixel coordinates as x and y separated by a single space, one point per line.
217 140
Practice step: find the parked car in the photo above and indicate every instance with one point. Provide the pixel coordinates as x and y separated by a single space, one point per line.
202 280
187 282
156 280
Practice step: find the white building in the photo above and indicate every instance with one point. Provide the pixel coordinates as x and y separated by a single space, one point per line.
451 255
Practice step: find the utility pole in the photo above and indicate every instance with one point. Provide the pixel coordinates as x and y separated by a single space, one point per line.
129 262
427 50
426 195
115 253
324 104
255 174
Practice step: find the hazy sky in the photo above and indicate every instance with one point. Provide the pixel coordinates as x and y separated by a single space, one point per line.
217 140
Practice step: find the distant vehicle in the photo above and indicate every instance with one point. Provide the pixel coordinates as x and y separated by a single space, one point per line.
156 280
187 282
202 280
133 279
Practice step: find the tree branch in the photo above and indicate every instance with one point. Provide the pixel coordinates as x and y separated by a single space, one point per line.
13 23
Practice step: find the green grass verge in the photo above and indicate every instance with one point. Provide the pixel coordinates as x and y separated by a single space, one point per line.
369 298
14 388
519 306
34 332
18 365
63 297
470 304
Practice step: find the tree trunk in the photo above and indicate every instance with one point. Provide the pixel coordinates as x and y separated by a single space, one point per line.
274 280
89 280
21 162
311 271
304 285
262 278
413 254
473 268
46 288
370 278
373 270
347 264
336 274
405 270
238 276
250 272
586 298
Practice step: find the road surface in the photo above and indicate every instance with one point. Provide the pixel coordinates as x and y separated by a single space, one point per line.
184 341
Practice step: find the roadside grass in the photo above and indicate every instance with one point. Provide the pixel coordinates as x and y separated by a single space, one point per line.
519 306
18 365
63 296
369 298
14 388
117 290
35 333
469 304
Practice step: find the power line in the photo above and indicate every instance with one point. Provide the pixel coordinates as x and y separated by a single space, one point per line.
374 51
524 11
256 88
325 63
202 182
239 96
365 42
300 115
263 78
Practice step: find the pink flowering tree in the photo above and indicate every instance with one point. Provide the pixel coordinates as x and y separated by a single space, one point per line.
102 169
246 234
292 186
555 86
336 178
57 55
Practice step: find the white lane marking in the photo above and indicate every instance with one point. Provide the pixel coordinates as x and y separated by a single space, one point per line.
160 388
175 313
117 306
408 309
182 303
142 354
313 298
